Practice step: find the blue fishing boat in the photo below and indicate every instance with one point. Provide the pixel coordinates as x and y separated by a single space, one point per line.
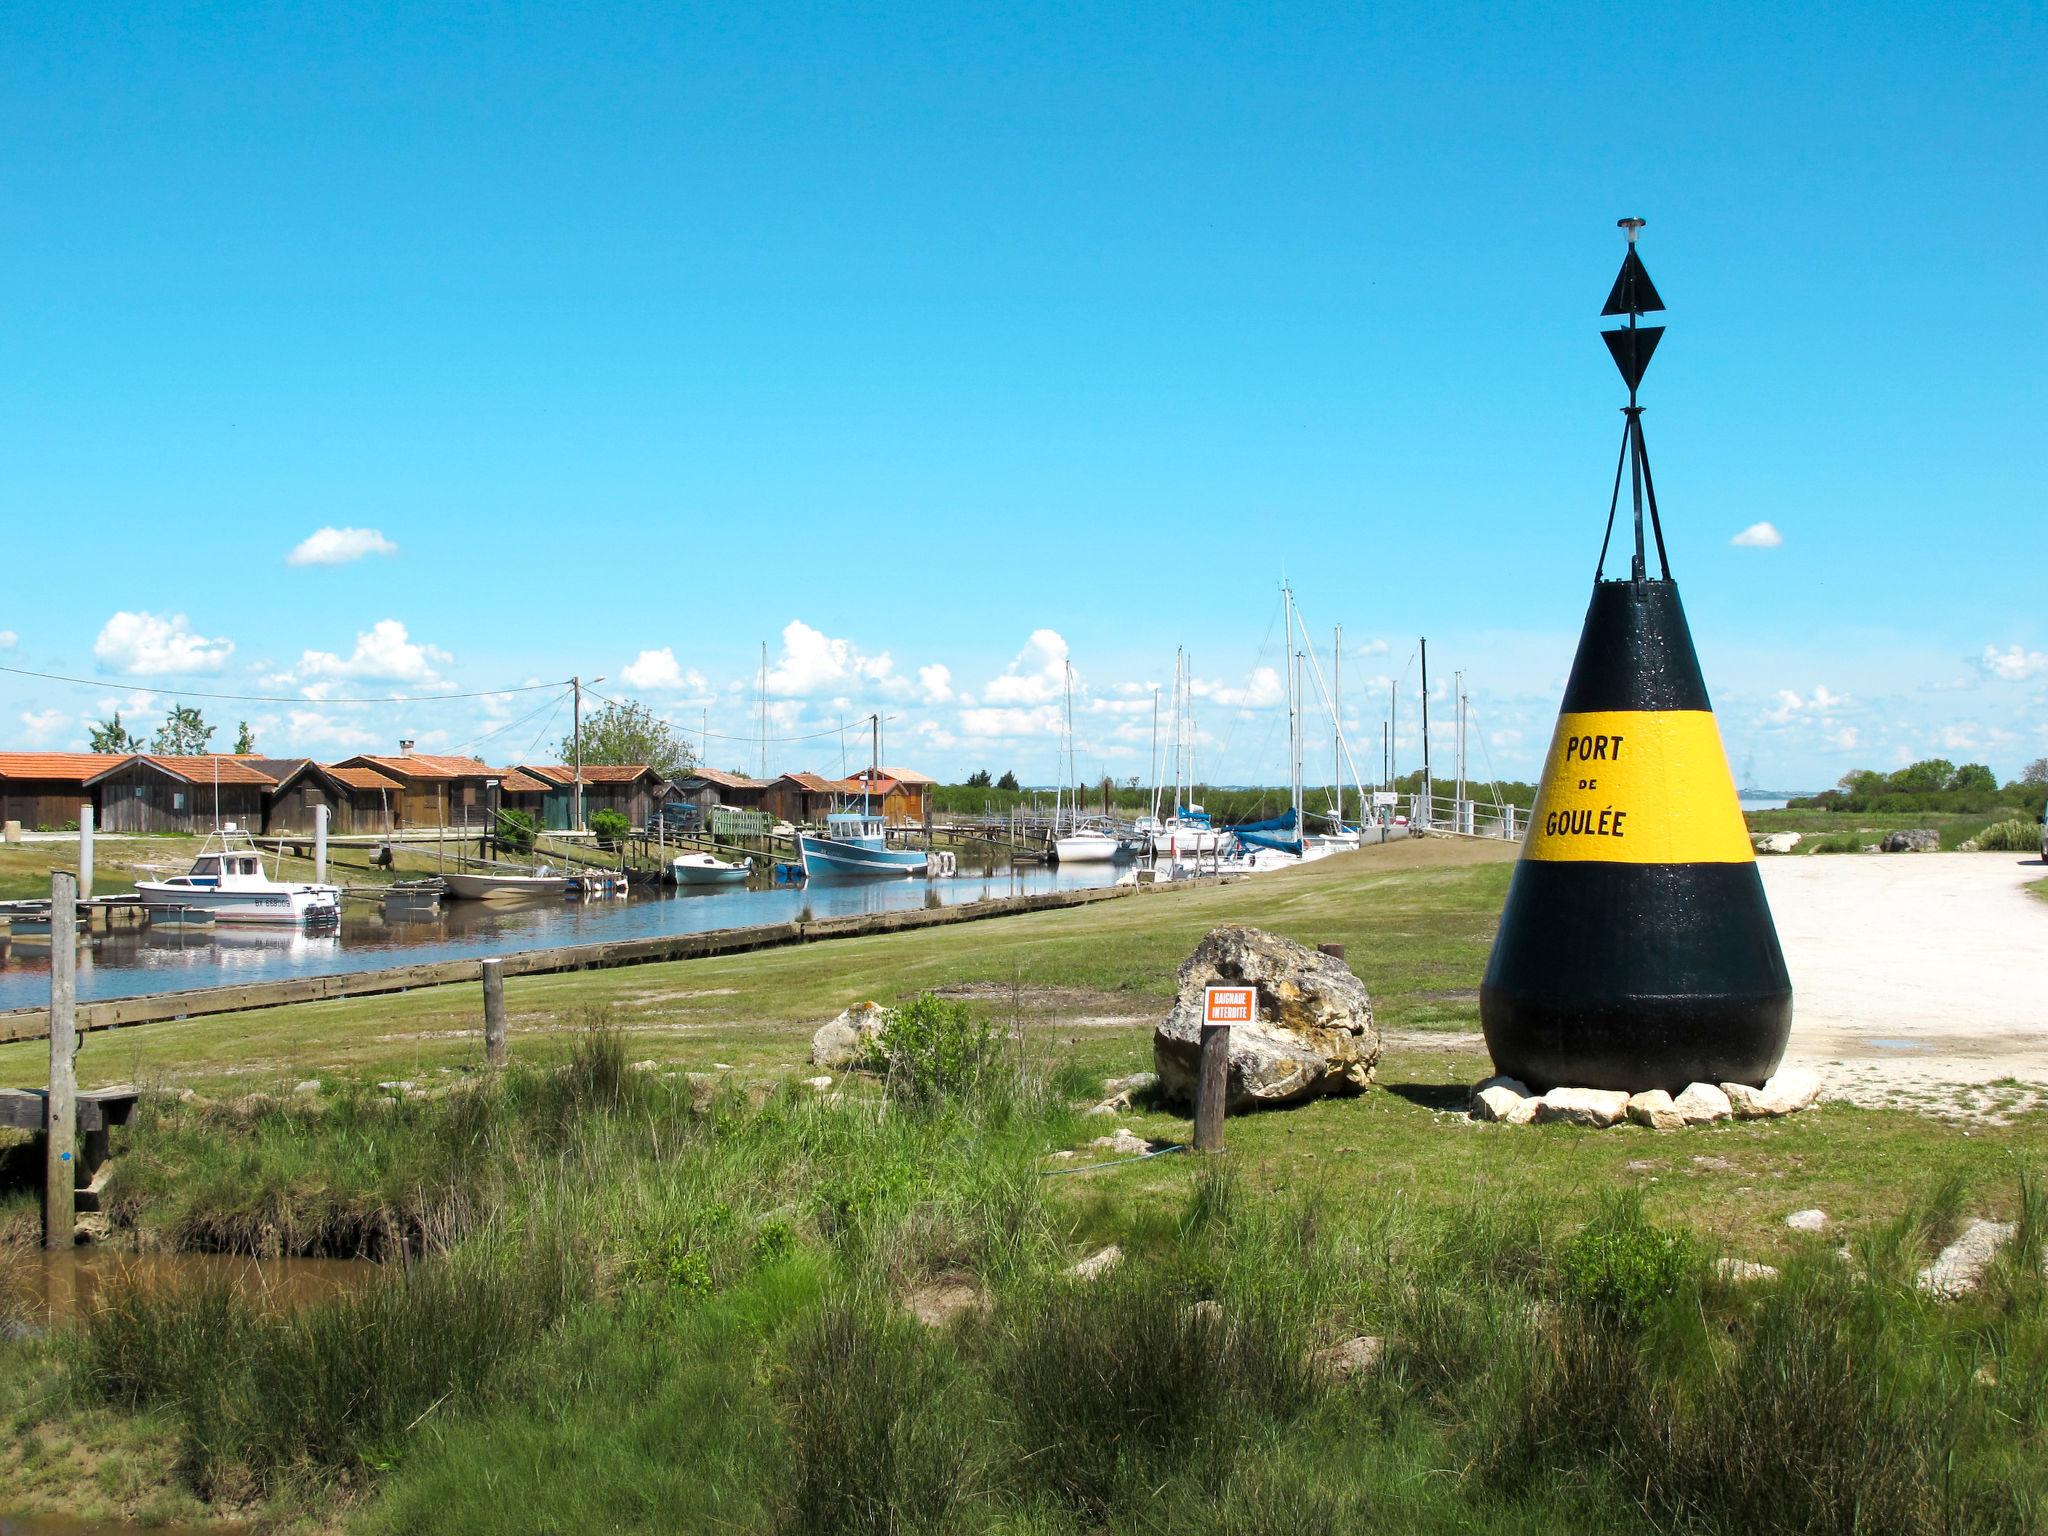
855 844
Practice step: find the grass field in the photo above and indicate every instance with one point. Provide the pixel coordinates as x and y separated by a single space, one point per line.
649 1302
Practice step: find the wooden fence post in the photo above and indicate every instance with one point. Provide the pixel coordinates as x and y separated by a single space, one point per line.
1334 951
494 1013
60 1117
1212 1087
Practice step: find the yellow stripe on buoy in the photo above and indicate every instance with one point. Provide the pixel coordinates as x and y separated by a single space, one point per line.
1638 787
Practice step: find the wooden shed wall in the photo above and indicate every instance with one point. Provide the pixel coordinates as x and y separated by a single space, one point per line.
141 800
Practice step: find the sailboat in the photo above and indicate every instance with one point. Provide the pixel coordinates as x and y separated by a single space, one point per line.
1187 833
1084 840
1282 841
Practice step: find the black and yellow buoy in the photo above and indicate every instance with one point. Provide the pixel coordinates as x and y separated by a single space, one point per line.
1636 949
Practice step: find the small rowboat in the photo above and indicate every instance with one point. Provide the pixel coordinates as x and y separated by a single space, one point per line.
704 869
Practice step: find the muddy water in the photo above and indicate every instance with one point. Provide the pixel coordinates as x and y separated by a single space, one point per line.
59 1525
54 1290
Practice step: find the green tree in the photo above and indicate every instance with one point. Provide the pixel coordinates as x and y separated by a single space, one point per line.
184 733
629 734
2035 772
1928 776
111 736
979 779
1008 781
245 739
1974 776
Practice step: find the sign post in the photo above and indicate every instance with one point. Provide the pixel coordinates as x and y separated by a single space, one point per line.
1222 1006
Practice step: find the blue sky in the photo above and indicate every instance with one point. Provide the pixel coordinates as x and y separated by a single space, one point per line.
931 344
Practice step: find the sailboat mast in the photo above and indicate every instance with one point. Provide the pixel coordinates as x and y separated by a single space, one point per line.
1428 789
1337 721
874 763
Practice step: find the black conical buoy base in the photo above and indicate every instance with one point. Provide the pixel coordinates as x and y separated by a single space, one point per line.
1636 949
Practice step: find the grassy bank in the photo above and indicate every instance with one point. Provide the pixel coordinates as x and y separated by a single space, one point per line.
644 1303
679 1296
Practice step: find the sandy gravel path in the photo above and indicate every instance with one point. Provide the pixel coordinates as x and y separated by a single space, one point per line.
1918 978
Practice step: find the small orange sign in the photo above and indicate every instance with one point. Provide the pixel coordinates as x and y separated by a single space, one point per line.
1230 1005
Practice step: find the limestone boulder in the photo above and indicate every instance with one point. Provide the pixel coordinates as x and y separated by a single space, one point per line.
1656 1109
1702 1103
1504 1100
1959 1268
1314 1034
1775 842
1597 1107
1784 1093
1912 840
846 1039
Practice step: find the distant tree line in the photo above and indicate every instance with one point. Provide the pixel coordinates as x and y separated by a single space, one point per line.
1934 784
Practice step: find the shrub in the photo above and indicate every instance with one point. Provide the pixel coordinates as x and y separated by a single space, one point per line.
2010 837
1619 1267
933 1048
516 830
610 826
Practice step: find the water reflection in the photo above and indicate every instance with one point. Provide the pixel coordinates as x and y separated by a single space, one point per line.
128 961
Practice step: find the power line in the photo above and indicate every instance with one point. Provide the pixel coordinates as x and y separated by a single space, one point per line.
264 698
832 730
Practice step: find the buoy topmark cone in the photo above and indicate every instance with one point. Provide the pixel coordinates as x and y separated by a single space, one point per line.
1636 949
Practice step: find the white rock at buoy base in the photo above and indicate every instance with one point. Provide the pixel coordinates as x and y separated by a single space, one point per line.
1784 1093
1702 1103
1506 1100
1655 1109
1597 1107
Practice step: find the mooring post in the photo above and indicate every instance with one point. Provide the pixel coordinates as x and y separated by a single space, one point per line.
60 1115
494 1013
320 844
1212 1087
85 851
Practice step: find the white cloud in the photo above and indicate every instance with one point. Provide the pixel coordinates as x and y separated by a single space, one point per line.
1758 536
339 546
1791 704
1035 675
1847 739
150 645
659 672
2014 664
814 662
43 725
8 639
937 683
994 722
312 726
1262 690
384 653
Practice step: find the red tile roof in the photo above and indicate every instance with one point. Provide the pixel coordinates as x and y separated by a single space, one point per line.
426 765
517 781
69 767
201 768
811 782
724 780
360 778
593 773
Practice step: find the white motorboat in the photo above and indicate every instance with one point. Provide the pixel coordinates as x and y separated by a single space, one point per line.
707 869
1186 834
1088 842
227 880
483 887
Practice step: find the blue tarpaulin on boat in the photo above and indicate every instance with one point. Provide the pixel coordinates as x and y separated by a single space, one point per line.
1255 833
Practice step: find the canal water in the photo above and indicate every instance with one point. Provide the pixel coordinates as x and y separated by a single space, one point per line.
141 960
40 1290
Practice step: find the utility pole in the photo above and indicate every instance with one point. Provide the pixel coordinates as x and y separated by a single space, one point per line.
1428 786
576 742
